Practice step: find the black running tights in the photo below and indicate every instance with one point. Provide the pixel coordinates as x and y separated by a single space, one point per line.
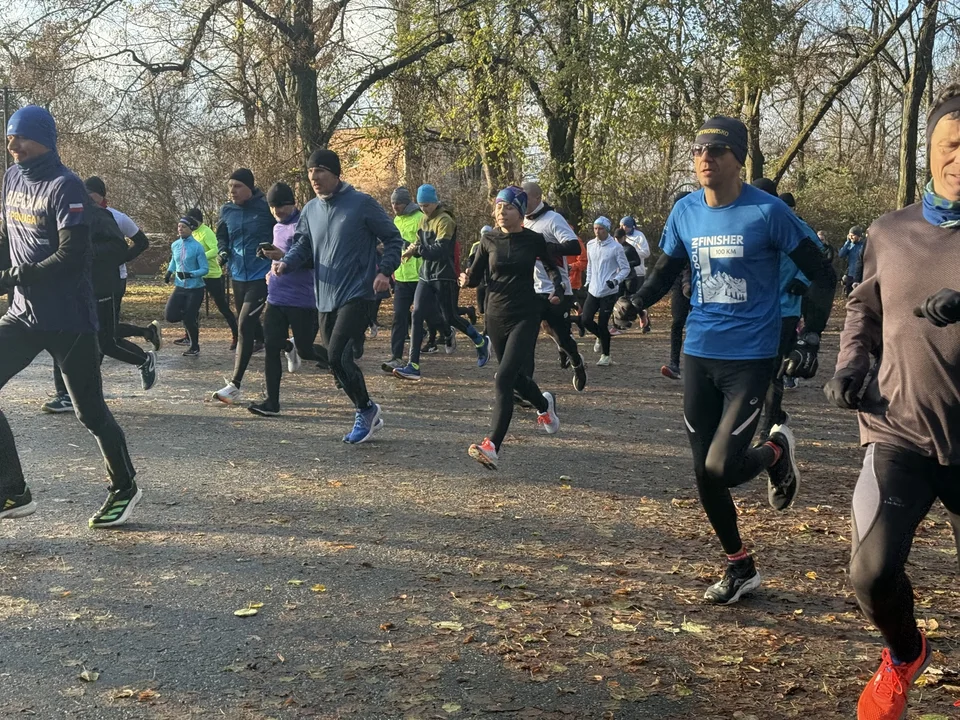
513 341
341 331
277 320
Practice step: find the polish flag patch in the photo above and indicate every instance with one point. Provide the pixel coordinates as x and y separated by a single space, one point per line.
76 207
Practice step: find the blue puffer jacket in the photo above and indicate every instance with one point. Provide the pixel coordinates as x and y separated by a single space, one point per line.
239 233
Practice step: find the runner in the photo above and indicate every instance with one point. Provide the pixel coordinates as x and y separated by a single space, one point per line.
436 240
245 224
407 216
339 230
607 267
907 411
46 241
562 242
639 242
291 306
680 293
188 265
510 254
214 282
732 234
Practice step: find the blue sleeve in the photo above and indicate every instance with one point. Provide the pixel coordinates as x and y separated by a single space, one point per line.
172 266
671 242
302 248
845 250
786 229
202 262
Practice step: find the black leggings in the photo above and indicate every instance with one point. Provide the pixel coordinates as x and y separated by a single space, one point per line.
443 296
514 340
481 298
602 309
341 332
722 402
557 319
250 298
124 330
896 489
216 288
79 358
403 294
277 320
184 306
679 309
773 405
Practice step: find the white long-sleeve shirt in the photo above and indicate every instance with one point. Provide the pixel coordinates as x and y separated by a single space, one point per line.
555 229
639 241
606 260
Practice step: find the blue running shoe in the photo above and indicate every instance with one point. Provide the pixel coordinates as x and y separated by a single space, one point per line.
483 351
408 372
367 423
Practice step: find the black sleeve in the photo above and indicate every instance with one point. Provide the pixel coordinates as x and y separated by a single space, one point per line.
479 267
5 261
223 238
813 264
550 265
140 243
659 281
69 257
568 248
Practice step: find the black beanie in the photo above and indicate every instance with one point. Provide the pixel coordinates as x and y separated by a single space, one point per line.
280 194
196 215
789 199
245 176
96 185
725 131
324 158
190 221
765 184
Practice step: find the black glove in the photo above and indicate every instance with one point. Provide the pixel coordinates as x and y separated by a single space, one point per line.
796 287
942 308
611 284
166 278
624 313
182 275
223 257
844 389
802 361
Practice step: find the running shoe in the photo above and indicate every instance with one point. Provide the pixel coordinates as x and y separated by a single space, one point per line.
185 340
293 358
784 475
257 346
450 342
228 395
374 330
429 349
739 578
790 383
483 351
117 507
485 454
579 376
191 352
148 371
644 322
392 364
614 331
885 696
264 409
18 506
408 372
233 344
549 420
597 347
603 361
671 371
154 335
60 404
367 422
564 360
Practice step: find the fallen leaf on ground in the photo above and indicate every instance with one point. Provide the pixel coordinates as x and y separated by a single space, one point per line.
245 612
89 675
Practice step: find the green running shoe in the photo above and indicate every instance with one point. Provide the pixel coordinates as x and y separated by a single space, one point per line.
117 507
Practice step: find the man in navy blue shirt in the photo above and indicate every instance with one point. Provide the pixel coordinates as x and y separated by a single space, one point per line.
733 235
46 253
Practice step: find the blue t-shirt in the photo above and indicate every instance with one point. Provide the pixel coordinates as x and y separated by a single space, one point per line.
35 211
734 254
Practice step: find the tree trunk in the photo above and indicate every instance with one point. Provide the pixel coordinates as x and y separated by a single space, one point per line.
751 112
912 99
304 72
561 137
874 91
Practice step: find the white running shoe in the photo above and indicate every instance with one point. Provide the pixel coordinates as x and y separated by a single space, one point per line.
597 347
228 395
293 358
549 420
604 360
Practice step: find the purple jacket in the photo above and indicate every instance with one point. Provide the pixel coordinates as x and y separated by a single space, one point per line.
292 289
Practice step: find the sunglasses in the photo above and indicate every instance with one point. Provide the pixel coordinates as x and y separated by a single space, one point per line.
713 151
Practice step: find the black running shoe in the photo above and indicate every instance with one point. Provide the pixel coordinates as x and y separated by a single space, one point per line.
185 340
191 352
17 506
564 360
429 348
117 507
739 578
264 409
154 335
784 476
579 376
60 404
148 371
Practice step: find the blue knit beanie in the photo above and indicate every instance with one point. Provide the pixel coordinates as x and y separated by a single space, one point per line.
628 221
34 123
427 194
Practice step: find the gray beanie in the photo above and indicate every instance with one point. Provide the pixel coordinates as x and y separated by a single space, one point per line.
401 195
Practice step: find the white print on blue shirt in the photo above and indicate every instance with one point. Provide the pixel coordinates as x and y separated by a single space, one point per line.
719 287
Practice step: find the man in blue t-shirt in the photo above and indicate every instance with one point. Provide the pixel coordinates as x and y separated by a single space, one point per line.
46 252
733 235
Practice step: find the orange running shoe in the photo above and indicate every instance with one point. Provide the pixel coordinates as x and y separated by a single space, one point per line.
885 696
485 454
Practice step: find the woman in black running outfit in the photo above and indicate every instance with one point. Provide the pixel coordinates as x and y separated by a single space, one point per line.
507 256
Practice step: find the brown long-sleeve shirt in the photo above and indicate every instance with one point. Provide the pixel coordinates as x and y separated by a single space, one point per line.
906 260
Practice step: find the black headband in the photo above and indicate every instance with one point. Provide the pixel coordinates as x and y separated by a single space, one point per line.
949 106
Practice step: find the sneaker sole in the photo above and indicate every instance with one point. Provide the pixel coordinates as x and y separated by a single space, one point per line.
263 413
576 386
415 378
377 425
225 401
481 361
749 586
55 411
793 463
18 512
477 454
156 326
553 411
156 376
669 374
124 516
